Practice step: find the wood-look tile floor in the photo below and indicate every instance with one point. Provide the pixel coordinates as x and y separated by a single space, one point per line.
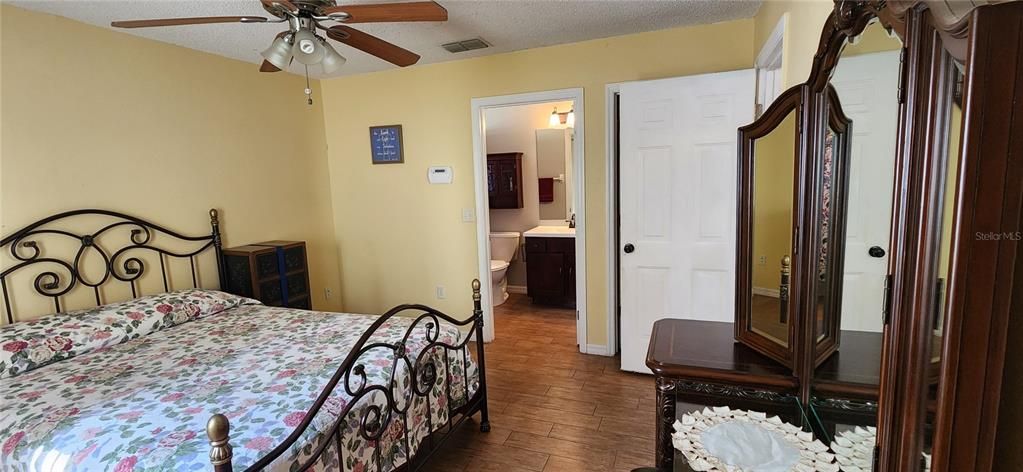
552 408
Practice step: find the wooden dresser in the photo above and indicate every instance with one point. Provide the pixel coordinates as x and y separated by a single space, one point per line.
699 363
273 272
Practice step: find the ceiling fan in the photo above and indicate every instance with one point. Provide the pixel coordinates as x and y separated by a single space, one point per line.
304 17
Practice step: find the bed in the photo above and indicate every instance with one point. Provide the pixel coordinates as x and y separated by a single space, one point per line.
133 385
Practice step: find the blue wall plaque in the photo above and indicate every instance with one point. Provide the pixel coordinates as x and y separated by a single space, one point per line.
385 144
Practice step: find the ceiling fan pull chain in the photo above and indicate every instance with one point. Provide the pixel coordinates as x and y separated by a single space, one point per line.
309 91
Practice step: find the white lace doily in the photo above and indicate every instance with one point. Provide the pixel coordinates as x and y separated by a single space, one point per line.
770 436
854 450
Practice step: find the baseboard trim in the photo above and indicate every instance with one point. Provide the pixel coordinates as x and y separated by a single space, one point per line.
519 289
766 292
597 350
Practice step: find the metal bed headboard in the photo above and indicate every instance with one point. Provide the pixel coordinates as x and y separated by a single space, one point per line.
58 275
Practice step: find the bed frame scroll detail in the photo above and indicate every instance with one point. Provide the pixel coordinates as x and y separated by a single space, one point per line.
120 241
375 419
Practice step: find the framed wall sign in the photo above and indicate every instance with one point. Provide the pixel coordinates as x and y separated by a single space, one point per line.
385 144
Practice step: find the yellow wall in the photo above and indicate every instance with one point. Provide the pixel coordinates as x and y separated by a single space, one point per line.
802 33
400 237
97 118
773 166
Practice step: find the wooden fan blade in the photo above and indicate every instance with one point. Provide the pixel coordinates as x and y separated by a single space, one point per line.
266 66
372 45
384 12
202 20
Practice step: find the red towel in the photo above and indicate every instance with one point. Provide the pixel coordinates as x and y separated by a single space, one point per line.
546 190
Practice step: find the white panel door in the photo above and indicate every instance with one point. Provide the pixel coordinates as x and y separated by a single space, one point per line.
677 201
867 86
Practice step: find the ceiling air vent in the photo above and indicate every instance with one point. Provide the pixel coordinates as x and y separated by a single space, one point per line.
466 45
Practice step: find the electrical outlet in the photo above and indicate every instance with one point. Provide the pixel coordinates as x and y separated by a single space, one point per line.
328 293
763 260
441 293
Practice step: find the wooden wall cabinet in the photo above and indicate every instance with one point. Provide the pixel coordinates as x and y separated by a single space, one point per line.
550 270
504 180
273 272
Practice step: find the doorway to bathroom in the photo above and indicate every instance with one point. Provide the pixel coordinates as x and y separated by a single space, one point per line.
528 163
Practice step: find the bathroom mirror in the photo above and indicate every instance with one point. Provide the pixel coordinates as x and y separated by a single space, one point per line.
554 173
767 222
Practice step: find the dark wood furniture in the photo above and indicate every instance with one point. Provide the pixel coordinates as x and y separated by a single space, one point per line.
943 349
504 180
550 270
49 269
699 362
273 272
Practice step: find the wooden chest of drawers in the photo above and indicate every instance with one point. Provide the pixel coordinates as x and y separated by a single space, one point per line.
273 272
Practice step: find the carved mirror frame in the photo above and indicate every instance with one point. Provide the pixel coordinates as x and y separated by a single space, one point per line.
979 34
789 103
826 341
799 296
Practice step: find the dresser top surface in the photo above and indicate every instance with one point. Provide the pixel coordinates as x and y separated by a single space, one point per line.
708 350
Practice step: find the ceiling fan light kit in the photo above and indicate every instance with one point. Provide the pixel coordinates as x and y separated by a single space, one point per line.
307 48
304 17
332 61
279 52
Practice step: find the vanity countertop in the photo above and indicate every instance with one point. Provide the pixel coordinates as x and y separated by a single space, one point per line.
550 232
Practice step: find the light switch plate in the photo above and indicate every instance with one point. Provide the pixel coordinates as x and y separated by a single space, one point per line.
468 216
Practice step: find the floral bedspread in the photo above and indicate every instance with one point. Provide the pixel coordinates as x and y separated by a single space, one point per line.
142 405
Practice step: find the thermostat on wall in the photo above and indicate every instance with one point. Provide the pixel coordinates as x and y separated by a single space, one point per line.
440 175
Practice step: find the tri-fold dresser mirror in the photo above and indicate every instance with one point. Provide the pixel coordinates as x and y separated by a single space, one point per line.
870 202
816 205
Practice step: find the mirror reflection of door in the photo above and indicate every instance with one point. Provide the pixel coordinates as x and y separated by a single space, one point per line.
867 82
773 188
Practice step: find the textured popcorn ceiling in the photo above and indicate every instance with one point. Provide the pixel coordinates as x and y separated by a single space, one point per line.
508 25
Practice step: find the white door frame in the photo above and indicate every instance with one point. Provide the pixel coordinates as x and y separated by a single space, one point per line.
479 160
611 172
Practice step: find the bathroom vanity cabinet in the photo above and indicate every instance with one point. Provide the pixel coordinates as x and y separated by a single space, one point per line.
550 270
504 180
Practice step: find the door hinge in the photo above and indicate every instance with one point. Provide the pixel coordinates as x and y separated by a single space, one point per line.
577 315
886 301
877 458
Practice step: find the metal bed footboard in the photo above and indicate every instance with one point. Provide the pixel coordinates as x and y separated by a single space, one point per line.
375 419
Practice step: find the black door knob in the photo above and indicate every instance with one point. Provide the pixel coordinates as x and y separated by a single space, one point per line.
875 251
629 248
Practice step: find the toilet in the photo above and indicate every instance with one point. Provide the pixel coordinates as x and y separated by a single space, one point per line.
502 250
